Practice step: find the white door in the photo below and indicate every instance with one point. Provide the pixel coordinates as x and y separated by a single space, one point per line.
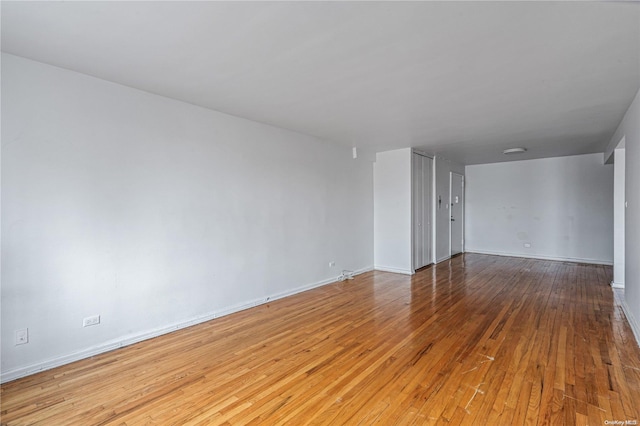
421 200
457 214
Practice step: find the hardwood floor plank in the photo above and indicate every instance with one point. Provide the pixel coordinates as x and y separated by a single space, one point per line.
474 340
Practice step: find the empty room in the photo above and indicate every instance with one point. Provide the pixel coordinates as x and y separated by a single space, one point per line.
327 213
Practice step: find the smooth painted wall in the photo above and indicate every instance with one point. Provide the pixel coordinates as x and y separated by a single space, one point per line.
155 213
562 206
629 129
392 211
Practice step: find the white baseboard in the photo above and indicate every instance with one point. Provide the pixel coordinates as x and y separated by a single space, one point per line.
542 257
394 270
17 373
617 285
633 322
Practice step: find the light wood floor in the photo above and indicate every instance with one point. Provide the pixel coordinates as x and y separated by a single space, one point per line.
478 340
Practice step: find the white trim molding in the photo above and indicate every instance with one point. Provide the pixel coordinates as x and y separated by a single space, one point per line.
633 322
394 270
617 285
17 373
541 257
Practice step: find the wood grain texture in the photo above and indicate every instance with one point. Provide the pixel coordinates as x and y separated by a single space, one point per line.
475 340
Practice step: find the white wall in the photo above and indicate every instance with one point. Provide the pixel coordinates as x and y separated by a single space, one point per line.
392 211
562 206
629 129
155 214
443 169
618 218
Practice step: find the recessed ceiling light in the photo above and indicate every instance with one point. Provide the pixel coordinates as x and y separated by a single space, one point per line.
514 150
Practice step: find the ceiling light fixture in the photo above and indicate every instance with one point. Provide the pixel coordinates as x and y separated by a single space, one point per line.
514 151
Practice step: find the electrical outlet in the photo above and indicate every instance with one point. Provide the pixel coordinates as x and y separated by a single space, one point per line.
22 336
332 264
93 320
527 245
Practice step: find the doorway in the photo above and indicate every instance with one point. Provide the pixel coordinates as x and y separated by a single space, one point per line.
456 229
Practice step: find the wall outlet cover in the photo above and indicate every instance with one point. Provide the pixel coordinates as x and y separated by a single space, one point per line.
92 320
22 336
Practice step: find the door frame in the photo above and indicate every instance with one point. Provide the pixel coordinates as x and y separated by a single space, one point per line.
619 210
451 209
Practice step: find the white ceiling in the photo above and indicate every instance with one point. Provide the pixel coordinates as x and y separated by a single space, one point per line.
464 80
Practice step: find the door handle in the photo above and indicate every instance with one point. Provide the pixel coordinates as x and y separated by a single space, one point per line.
453 220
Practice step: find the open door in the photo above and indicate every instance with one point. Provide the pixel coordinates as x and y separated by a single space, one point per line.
457 214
